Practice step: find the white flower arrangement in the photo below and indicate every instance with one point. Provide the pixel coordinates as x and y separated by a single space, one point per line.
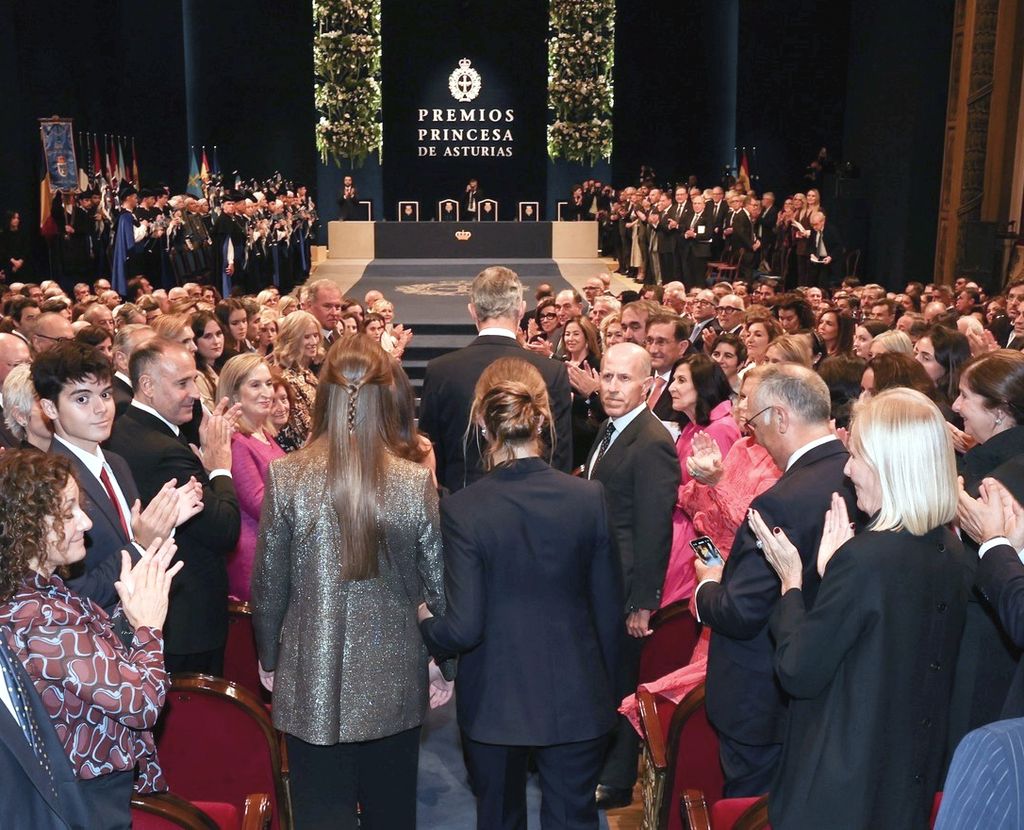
581 53
346 62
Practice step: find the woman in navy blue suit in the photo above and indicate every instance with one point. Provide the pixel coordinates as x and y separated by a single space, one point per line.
534 609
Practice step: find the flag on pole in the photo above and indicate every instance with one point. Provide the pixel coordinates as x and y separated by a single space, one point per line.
743 174
204 168
195 184
83 155
97 161
122 168
135 164
111 157
215 169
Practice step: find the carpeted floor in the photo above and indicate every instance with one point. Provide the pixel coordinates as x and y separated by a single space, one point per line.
444 801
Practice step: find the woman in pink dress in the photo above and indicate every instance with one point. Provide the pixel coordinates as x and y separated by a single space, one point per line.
718 494
245 379
700 390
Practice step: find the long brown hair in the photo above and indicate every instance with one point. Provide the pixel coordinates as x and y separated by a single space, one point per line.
354 406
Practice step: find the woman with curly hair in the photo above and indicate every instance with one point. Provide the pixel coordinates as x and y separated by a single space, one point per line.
102 679
296 349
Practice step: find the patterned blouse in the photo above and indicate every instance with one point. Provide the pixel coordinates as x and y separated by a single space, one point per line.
102 697
294 434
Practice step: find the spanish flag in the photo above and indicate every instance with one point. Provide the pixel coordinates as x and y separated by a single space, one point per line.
743 174
204 168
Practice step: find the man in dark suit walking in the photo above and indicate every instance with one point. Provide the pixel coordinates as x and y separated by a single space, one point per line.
37 785
742 239
149 438
635 460
744 702
496 305
827 254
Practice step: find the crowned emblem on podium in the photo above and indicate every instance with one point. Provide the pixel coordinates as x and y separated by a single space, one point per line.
464 82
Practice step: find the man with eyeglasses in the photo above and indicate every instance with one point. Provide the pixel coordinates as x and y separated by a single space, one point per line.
764 293
730 313
666 342
704 317
792 408
51 328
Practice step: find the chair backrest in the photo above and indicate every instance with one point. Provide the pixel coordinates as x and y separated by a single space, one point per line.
693 811
241 663
216 743
740 814
692 754
166 811
671 644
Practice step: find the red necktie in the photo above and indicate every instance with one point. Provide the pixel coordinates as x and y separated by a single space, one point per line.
656 390
105 479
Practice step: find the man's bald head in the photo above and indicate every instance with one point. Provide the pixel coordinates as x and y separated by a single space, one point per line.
51 329
13 352
625 378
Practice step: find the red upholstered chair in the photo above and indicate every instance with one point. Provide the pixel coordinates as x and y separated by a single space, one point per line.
216 743
680 753
166 811
936 803
726 814
241 664
671 645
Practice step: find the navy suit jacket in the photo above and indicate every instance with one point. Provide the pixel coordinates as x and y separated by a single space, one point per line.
744 700
106 539
534 603
448 387
32 798
1000 578
197 618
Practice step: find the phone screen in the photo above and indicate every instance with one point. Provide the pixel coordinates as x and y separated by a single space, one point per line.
706 550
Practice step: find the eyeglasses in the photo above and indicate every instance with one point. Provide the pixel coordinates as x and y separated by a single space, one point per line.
748 423
704 302
54 339
722 309
551 316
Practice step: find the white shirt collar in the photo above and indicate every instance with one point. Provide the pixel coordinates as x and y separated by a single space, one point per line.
154 413
806 448
624 421
93 463
123 377
495 331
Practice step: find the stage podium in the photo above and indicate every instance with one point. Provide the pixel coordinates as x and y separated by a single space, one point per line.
462 240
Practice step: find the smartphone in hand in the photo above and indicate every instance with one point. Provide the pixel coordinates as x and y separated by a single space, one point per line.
707 551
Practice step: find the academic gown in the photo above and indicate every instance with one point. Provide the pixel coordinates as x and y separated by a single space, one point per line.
126 253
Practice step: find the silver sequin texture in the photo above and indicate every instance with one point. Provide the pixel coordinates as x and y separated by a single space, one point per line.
350 663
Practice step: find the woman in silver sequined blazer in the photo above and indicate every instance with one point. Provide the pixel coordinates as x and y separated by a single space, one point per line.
348 547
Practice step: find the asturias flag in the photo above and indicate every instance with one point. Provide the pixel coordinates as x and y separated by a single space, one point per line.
195 184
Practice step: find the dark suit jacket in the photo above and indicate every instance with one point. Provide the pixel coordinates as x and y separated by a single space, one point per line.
32 798
869 668
834 246
744 700
534 600
742 232
448 394
700 245
1000 578
197 619
95 577
7 439
640 473
123 395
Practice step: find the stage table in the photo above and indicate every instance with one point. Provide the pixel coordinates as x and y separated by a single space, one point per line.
462 240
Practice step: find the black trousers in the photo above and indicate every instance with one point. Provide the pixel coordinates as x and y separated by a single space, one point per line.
202 662
327 782
748 769
568 777
623 752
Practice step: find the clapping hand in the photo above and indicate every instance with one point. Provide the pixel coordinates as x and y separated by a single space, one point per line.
705 463
584 380
837 531
541 347
981 342
190 501
994 513
143 588
215 432
962 442
778 550
158 519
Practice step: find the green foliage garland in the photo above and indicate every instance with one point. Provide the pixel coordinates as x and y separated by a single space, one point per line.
581 53
346 62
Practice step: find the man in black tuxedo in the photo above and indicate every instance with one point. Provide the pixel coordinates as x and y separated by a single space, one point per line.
744 702
496 306
13 352
73 381
769 219
126 341
37 785
471 200
719 213
827 255
149 438
742 239
635 460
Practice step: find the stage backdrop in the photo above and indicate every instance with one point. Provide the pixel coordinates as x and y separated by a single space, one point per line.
445 122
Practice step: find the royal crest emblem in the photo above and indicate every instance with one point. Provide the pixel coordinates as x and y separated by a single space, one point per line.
464 82
463 236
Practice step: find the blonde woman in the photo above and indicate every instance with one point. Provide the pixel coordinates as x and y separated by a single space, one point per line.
868 667
296 349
